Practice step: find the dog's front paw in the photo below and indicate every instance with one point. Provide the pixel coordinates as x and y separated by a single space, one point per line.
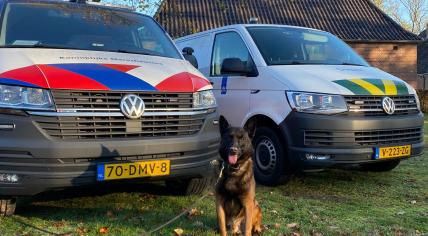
257 230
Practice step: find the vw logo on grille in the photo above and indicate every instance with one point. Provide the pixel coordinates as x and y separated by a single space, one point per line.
388 105
132 106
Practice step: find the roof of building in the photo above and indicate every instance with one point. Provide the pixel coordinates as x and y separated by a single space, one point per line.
423 34
351 20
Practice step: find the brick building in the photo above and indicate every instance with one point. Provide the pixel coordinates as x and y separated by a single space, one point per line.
379 39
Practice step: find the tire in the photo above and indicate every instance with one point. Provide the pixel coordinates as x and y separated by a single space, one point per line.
195 186
7 207
380 166
271 166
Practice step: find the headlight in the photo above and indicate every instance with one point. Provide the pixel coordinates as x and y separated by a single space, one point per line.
18 97
317 103
204 99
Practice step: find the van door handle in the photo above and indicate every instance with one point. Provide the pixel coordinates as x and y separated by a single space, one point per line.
255 91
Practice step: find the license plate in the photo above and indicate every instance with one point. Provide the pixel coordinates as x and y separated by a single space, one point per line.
392 152
133 170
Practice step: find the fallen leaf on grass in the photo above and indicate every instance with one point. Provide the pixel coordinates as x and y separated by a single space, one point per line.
277 225
293 226
274 212
59 224
81 231
398 232
193 212
400 213
413 202
178 231
315 233
103 230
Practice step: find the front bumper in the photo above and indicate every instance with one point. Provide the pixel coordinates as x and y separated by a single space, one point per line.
43 163
339 137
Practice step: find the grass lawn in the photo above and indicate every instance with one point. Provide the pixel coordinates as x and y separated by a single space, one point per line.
335 202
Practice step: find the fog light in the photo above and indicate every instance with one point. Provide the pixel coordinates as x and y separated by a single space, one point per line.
9 178
320 157
7 127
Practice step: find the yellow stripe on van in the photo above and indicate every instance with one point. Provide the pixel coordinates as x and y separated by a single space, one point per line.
368 86
390 88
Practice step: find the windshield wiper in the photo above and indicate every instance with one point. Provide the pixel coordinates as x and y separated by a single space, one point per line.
37 46
132 52
298 63
351 64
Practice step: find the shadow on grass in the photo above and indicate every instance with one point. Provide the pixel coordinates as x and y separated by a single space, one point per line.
132 206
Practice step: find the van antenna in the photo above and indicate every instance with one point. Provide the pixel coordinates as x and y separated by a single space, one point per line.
254 20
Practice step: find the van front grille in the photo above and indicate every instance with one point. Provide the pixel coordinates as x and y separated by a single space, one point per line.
363 138
105 127
110 100
372 105
97 115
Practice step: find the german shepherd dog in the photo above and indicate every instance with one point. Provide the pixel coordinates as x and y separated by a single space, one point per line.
235 191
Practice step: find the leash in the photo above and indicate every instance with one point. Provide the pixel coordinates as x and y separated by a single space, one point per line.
189 208
35 227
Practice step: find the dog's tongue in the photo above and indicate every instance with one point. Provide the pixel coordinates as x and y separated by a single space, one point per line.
233 159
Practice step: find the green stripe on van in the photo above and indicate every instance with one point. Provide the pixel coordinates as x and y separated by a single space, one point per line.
353 87
401 88
377 82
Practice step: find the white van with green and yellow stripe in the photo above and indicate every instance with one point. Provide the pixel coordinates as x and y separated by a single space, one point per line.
315 102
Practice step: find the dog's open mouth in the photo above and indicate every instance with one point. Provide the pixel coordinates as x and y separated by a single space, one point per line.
233 159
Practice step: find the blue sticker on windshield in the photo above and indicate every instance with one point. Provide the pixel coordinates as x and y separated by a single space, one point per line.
224 85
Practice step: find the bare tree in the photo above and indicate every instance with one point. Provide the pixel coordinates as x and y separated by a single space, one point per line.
417 11
411 14
138 5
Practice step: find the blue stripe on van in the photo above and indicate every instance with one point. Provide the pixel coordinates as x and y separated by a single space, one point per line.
113 79
17 82
224 85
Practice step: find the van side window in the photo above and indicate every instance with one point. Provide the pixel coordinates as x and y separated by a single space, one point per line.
228 45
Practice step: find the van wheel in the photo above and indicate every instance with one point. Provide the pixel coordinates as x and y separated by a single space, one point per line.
380 166
7 207
270 164
195 186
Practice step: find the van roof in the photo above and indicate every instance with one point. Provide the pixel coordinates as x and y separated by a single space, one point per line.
89 3
243 26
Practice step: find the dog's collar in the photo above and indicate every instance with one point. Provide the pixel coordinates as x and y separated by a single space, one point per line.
234 168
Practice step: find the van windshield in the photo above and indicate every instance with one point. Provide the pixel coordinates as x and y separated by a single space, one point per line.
83 27
295 46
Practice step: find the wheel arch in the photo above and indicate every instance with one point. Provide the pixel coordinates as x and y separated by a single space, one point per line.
261 120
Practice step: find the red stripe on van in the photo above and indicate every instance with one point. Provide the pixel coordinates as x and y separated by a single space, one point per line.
63 79
29 74
182 82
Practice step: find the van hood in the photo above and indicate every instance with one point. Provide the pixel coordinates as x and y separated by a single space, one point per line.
338 79
94 70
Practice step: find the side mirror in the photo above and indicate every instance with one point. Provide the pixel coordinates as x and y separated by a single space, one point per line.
237 67
188 55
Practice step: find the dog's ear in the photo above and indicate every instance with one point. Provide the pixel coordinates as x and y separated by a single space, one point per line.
224 125
251 128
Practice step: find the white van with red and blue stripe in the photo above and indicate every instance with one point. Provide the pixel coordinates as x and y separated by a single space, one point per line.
93 94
